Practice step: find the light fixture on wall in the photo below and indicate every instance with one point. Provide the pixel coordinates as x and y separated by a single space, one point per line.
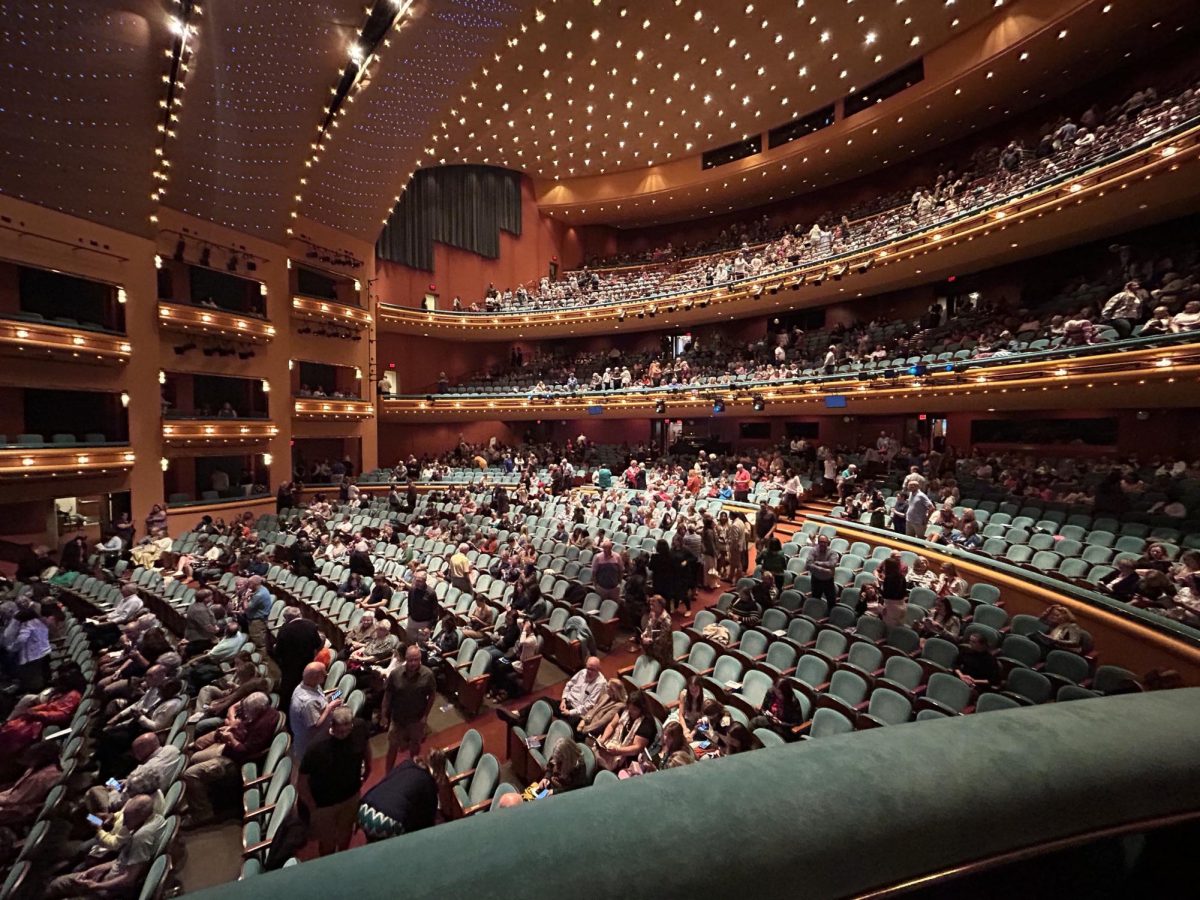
266 386
164 463
125 399
267 459
121 298
162 377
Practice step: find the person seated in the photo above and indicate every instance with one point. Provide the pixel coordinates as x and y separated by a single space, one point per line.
939 621
737 739
781 712
1153 559
213 700
1122 582
208 668
606 709
33 716
745 609
480 620
380 594
20 802
442 644
121 877
582 692
507 668
106 630
250 726
1062 631
711 728
950 582
155 765
155 709
976 664
137 653
672 741
354 588
359 635
377 650
565 771
626 735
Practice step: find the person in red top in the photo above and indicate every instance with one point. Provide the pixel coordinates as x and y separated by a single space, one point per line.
30 718
741 484
694 482
631 474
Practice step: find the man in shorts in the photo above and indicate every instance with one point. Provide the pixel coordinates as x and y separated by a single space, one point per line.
407 700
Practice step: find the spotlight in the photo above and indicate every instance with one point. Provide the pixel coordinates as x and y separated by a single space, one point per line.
205 256
718 407
660 407
759 404
232 263
180 249
919 369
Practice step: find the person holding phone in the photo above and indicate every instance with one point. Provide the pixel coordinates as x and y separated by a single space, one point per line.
627 735
332 773
309 709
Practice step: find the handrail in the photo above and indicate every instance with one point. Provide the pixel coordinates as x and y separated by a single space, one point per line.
967 789
1013 363
1176 630
943 230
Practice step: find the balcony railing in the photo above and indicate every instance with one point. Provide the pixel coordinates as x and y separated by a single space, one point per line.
330 311
205 320
32 339
217 432
319 408
64 462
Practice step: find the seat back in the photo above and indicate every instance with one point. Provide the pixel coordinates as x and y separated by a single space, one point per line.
848 687
903 671
828 722
1031 685
889 707
483 782
812 670
949 690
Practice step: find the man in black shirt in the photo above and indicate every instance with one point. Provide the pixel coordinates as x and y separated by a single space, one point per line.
976 664
296 643
422 608
332 773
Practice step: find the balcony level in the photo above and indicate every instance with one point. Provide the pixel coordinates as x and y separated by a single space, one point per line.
1151 184
1132 373
62 433
215 411
326 392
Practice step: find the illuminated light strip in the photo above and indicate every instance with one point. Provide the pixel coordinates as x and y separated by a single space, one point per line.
210 321
320 309
86 347
225 430
333 409
64 461
182 25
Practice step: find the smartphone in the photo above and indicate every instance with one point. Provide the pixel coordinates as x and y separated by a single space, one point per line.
55 735
336 695
113 783
542 794
95 820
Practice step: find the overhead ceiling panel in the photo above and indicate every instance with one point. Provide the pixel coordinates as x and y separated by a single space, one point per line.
381 137
79 105
595 87
264 71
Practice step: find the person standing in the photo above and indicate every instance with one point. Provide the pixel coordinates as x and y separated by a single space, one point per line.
820 566
309 709
406 800
916 517
407 700
741 484
608 571
258 609
332 773
422 609
296 645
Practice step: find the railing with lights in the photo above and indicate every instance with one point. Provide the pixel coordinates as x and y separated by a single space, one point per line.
64 462
1130 362
213 432
327 408
62 342
1162 153
330 311
215 322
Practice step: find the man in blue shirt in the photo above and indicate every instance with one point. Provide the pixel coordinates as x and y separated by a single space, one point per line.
257 610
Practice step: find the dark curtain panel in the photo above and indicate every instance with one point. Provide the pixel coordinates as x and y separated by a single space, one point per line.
463 206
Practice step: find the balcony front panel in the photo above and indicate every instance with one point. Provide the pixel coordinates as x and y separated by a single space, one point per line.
328 409
328 311
64 462
200 320
40 340
217 432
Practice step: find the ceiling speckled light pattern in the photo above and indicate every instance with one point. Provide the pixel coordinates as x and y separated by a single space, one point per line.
264 72
79 106
596 86
380 137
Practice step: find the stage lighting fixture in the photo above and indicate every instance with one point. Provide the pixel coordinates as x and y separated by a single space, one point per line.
759 404
919 369
232 263
660 407
718 407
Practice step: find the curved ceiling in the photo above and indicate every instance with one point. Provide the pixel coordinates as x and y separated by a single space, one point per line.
609 85
79 106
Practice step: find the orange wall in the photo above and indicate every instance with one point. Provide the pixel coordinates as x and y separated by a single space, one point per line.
458 272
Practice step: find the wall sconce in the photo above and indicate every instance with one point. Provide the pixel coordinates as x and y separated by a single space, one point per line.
164 463
262 289
291 364
121 296
157 261
162 377
268 459
266 386
357 373
125 399
357 285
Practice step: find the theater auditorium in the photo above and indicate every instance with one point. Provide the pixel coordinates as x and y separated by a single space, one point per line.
437 436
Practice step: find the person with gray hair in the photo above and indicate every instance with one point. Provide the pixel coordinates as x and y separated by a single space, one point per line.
332 773
122 875
249 728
